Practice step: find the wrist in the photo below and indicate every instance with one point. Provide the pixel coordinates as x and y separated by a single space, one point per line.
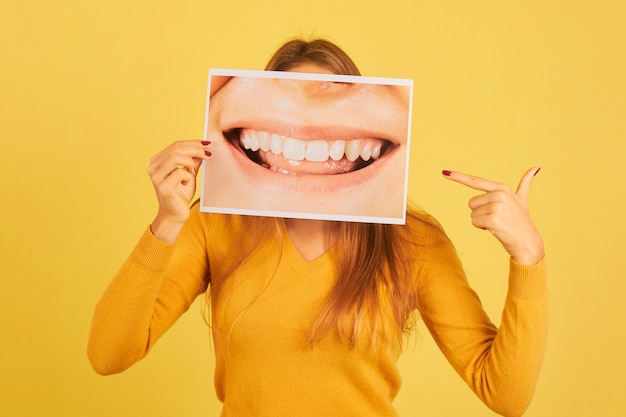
166 229
529 257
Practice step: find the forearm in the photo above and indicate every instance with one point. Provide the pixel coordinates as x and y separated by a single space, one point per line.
505 375
121 330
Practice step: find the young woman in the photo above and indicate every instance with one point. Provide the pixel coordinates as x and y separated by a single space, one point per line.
308 316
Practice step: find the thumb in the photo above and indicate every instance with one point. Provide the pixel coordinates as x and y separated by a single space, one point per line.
523 189
196 165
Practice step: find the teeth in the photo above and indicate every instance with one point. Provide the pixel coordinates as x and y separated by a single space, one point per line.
252 141
366 153
294 149
353 150
265 141
315 151
276 144
337 149
376 152
245 140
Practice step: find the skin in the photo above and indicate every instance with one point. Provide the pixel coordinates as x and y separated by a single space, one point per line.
505 214
498 209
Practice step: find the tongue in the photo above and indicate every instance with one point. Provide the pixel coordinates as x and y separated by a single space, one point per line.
278 163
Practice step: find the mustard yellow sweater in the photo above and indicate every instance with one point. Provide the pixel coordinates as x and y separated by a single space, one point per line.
262 312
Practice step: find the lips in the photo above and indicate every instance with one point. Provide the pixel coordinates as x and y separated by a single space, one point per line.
287 155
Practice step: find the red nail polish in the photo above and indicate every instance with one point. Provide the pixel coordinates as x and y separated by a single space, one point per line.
446 172
207 153
206 142
537 172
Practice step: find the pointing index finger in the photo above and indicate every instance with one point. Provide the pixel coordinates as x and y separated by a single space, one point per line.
477 183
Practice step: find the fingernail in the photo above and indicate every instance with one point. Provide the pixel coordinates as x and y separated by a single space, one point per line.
446 172
206 142
537 172
207 153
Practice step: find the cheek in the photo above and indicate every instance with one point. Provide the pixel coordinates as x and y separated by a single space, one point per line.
387 112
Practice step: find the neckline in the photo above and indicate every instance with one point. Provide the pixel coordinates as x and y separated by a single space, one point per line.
292 253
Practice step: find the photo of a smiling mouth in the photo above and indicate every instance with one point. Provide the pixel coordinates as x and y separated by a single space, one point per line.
287 155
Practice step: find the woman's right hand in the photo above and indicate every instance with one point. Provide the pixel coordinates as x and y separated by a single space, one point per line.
173 174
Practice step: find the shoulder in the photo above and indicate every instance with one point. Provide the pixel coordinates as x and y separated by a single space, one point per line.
218 223
424 228
227 232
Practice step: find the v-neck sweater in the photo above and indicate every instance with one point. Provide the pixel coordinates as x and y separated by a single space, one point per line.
262 311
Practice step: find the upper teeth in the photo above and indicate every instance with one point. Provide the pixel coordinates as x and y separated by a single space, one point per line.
314 150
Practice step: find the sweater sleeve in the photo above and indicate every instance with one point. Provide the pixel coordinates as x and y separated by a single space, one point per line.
153 288
501 365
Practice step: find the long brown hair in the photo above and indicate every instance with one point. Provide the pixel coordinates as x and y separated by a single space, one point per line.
375 295
317 51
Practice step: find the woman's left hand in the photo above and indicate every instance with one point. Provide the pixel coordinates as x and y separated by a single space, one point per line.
505 214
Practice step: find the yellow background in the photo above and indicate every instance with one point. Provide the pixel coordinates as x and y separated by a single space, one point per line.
91 89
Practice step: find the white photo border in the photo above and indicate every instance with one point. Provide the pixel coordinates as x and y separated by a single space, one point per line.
222 72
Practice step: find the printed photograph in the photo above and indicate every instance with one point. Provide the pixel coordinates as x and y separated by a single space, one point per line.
307 145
